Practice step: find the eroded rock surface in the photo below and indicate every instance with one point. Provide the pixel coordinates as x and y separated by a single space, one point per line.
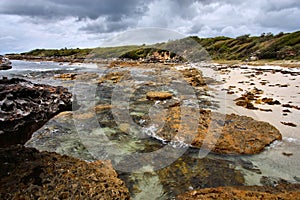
25 107
245 192
228 134
157 95
194 77
29 174
188 172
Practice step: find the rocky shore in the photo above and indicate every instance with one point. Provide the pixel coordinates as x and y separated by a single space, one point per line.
27 173
25 107
5 63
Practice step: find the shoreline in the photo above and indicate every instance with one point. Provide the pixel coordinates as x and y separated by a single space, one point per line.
281 63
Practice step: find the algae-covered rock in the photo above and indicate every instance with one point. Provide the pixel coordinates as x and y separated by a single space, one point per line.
29 174
157 95
227 134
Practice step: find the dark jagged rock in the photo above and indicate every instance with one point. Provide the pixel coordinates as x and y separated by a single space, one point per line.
29 174
289 124
270 101
25 107
5 63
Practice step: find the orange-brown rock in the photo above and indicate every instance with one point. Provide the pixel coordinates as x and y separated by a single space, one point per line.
123 64
158 95
68 76
87 76
226 134
29 174
113 77
291 191
102 107
193 77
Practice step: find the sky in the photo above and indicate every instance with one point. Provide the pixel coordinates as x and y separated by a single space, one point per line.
31 24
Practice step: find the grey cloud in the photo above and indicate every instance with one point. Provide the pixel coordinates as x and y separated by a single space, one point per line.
118 14
101 25
285 19
93 9
247 15
58 21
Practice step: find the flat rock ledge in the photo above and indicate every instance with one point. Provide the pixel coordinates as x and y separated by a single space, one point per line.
157 95
27 173
220 133
25 107
288 191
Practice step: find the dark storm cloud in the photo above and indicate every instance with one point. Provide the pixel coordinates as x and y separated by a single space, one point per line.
190 16
103 25
93 9
75 22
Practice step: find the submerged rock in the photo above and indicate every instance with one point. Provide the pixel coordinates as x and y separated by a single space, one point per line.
5 63
291 191
113 77
68 76
188 172
29 174
25 107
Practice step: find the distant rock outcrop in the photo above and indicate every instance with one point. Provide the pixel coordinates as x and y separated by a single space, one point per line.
4 63
25 107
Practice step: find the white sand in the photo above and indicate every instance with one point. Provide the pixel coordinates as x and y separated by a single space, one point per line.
272 162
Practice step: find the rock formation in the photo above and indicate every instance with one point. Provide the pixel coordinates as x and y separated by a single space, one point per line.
157 95
29 174
226 134
25 107
4 63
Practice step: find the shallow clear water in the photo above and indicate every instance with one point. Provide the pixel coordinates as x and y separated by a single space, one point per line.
150 167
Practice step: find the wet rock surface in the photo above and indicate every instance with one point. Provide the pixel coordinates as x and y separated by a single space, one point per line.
25 107
158 95
5 63
249 99
67 76
194 173
194 77
29 174
245 192
226 134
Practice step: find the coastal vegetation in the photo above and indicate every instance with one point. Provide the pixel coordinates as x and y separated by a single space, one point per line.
245 47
